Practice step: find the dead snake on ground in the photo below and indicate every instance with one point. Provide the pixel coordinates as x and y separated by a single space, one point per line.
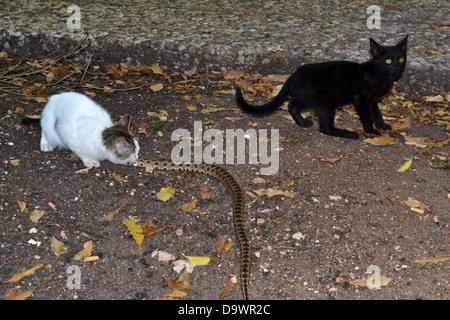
238 210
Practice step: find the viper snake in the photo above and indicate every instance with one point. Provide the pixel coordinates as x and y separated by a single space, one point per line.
238 210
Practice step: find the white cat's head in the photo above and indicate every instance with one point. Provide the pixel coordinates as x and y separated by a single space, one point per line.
122 147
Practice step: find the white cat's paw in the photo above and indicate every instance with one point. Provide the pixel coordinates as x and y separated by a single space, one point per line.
91 163
46 147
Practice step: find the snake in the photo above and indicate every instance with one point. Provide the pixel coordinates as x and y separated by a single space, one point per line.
234 188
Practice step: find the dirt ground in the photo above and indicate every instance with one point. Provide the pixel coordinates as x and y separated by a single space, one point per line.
337 221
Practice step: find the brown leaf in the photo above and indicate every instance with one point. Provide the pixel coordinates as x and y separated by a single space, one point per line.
190 205
149 229
22 205
226 290
86 252
383 140
205 193
24 273
333 160
220 244
157 87
110 217
434 260
233 74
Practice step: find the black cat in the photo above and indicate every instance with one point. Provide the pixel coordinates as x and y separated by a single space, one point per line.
324 87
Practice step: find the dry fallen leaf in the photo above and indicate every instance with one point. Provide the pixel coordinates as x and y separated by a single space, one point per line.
135 230
220 244
149 229
258 180
36 215
86 252
22 205
384 281
110 217
287 183
333 160
158 113
118 177
205 193
383 140
58 247
14 295
24 273
156 87
434 260
190 205
166 193
271 192
406 165
226 290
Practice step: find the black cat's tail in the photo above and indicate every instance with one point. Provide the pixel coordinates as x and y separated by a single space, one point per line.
267 108
34 123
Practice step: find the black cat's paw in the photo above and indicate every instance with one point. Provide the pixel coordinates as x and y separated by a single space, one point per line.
351 135
305 123
383 126
372 134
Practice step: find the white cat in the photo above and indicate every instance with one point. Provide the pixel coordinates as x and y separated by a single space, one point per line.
73 121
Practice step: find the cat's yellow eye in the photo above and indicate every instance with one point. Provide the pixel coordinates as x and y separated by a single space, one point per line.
388 61
401 60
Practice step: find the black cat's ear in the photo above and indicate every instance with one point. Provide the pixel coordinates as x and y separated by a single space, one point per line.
375 49
403 44
124 122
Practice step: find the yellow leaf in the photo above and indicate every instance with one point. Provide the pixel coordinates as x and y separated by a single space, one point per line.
157 113
15 162
190 205
220 244
24 273
258 180
287 183
431 51
381 141
156 69
434 260
233 74
229 246
191 107
19 110
49 77
22 205
58 247
198 260
21 296
86 252
110 217
108 89
166 193
405 166
384 281
226 290
174 294
36 215
271 192
135 230
118 177
156 87
205 193
333 160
